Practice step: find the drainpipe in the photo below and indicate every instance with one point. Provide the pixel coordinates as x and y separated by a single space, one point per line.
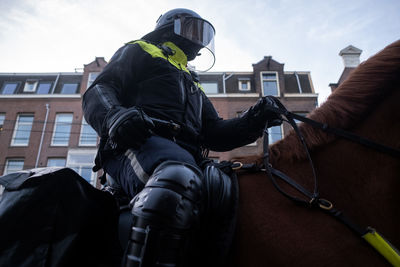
298 82
224 78
55 84
41 138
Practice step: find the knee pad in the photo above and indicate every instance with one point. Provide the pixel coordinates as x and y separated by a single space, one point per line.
163 215
171 197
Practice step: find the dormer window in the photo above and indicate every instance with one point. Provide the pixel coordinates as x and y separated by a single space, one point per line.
210 88
9 88
69 88
244 84
44 88
92 76
30 86
269 81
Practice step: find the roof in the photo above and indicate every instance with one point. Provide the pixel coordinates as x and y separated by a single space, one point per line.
350 50
297 83
39 83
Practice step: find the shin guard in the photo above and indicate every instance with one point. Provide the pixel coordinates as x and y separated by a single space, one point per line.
163 214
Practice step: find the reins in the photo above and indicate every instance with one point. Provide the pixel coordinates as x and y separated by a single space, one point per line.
336 131
313 198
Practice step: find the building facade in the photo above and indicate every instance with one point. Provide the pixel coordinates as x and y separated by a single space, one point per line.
41 121
234 92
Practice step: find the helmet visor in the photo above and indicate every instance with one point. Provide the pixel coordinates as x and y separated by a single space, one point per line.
200 32
194 29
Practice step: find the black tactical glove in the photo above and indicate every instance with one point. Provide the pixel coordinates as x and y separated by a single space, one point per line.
129 128
259 114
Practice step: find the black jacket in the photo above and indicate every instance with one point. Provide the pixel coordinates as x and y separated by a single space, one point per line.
156 79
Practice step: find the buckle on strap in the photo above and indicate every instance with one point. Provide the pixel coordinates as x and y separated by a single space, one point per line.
325 204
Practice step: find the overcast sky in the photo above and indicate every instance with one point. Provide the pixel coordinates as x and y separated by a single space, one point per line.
62 35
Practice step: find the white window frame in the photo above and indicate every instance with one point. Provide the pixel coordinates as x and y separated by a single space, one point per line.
84 123
19 124
6 166
78 167
55 128
91 78
269 135
2 119
276 80
28 88
241 82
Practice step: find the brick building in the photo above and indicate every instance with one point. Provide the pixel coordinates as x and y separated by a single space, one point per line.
41 122
234 92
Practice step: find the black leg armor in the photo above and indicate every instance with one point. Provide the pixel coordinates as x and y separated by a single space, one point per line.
163 213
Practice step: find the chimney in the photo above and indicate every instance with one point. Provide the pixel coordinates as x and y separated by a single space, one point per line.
351 56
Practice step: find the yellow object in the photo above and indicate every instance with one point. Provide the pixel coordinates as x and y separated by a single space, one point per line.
383 247
178 59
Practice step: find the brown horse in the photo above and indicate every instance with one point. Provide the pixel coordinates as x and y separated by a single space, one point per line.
363 183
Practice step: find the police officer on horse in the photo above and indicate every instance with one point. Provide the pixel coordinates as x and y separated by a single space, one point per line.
157 165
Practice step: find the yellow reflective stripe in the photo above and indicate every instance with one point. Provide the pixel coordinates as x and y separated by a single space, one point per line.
153 50
156 52
383 247
199 85
179 56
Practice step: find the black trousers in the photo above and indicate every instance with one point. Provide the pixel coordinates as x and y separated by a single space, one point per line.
133 168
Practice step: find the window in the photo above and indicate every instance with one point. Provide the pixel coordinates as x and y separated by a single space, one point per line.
81 161
44 88
9 88
2 117
62 129
30 85
13 165
88 135
92 77
274 134
69 88
270 83
244 85
210 87
22 130
56 162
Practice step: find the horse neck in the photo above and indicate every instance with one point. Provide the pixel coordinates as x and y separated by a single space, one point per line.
357 178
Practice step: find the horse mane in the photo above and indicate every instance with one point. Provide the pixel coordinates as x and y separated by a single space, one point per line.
347 106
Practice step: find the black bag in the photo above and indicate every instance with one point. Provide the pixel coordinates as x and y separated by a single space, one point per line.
53 217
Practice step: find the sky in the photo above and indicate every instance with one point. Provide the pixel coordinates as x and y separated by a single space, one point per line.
63 35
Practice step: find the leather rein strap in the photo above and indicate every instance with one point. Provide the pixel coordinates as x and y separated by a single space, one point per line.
336 131
369 234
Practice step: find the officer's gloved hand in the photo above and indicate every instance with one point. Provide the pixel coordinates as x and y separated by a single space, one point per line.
260 114
129 127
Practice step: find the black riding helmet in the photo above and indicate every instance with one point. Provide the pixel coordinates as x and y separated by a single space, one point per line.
186 29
